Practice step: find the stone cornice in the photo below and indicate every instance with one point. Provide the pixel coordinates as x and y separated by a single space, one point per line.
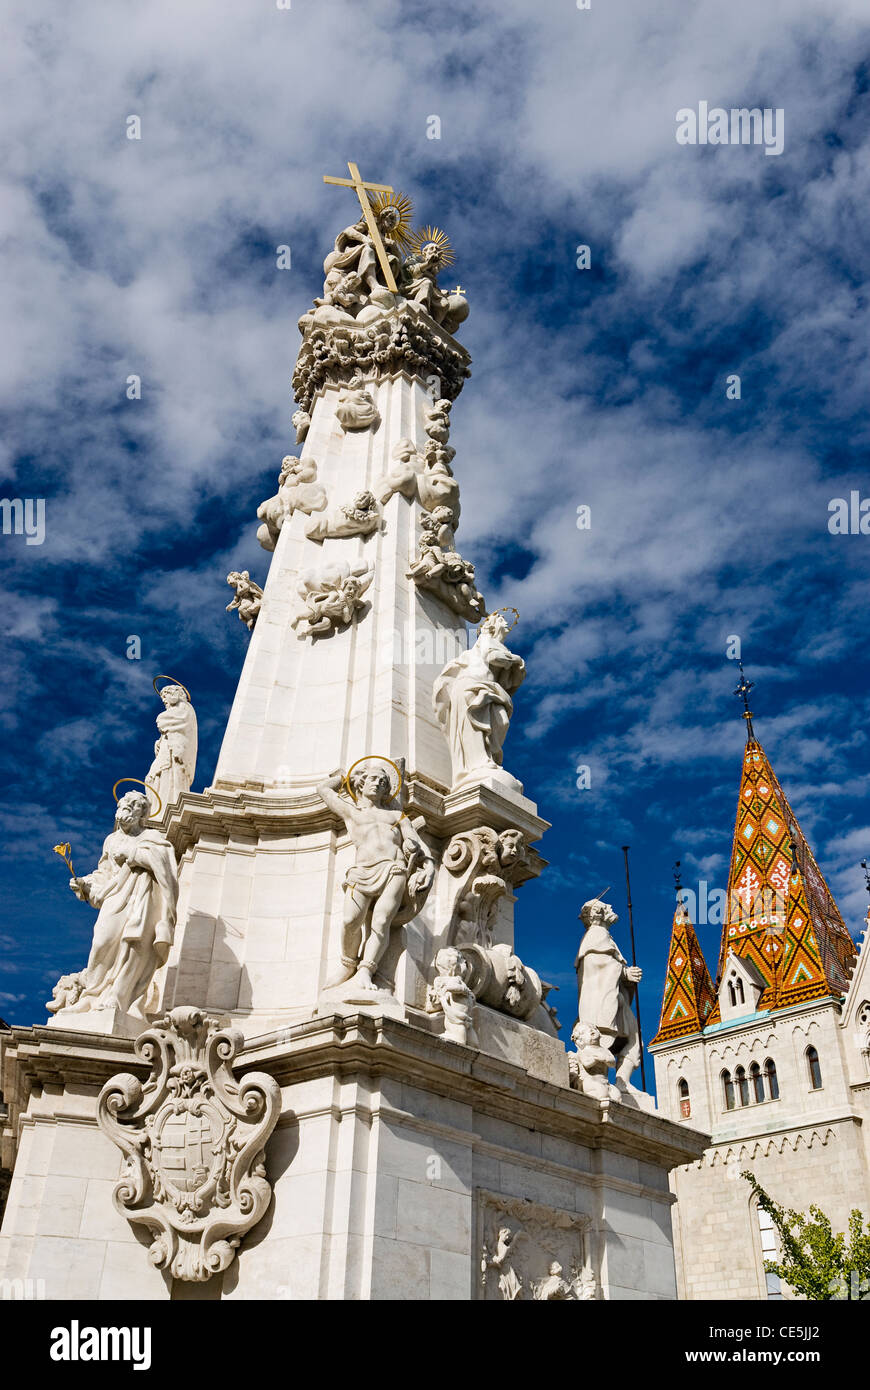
348 1045
249 811
400 340
379 1046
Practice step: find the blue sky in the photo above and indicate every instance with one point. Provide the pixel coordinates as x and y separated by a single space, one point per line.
603 387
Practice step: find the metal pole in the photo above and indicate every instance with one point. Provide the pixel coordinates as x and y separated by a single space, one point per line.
625 849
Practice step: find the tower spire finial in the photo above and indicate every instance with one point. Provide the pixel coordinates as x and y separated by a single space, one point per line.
678 882
866 869
743 690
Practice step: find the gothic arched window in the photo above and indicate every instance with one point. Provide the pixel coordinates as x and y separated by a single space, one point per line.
814 1069
757 1081
728 1088
685 1102
742 1085
772 1081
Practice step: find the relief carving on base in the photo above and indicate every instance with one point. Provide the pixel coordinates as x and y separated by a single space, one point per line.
194 1141
531 1252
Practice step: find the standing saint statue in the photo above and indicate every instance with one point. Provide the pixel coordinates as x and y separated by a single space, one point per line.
171 772
391 875
606 985
135 888
473 705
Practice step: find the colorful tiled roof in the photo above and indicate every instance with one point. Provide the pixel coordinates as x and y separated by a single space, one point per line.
770 892
689 997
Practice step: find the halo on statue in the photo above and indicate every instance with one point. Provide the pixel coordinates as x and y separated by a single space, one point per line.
401 233
147 785
372 757
433 236
171 681
501 610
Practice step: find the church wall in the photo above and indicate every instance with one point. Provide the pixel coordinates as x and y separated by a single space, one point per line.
807 1147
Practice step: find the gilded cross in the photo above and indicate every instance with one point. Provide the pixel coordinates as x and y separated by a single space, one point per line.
361 189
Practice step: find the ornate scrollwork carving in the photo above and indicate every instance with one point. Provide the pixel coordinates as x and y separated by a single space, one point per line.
395 342
193 1137
485 865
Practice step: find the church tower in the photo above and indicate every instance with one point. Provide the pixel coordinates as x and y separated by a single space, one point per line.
343 1083
773 1060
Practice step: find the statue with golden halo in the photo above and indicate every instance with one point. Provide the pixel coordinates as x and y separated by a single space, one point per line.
392 871
135 890
473 704
174 765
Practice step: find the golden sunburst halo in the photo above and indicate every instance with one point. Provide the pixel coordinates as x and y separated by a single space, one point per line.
401 233
434 236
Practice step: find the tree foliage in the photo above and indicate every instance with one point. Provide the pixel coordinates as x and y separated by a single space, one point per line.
815 1261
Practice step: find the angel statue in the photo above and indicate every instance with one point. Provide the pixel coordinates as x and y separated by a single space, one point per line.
248 597
473 705
174 765
135 889
392 872
330 596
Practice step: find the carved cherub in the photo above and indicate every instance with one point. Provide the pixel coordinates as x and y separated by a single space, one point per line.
451 995
589 1066
359 517
297 491
301 423
356 409
437 418
331 596
248 597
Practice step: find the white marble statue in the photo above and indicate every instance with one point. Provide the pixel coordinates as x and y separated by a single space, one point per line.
606 985
555 1287
298 491
301 422
359 517
450 995
392 872
135 888
437 420
473 705
419 284
330 596
248 597
356 409
426 476
355 258
589 1067
174 765
510 1285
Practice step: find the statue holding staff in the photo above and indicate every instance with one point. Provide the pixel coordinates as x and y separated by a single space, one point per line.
135 889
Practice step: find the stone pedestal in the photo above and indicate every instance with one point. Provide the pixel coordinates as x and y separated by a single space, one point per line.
397 1159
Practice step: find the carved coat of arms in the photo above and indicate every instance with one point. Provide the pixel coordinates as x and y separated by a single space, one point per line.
194 1141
